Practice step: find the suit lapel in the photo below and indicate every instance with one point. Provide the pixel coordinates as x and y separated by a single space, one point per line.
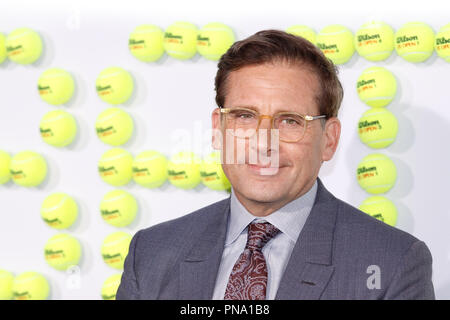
310 266
199 269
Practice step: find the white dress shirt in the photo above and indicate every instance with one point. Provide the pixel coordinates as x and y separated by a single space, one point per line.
289 219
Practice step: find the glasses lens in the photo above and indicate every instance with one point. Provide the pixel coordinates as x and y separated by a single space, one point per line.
242 122
291 126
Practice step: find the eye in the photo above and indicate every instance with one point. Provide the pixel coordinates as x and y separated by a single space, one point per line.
290 121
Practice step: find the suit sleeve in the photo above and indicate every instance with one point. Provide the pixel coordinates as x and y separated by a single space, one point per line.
412 279
129 287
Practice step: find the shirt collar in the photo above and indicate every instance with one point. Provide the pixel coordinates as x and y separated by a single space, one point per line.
289 219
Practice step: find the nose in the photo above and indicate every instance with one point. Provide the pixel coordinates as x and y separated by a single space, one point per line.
263 140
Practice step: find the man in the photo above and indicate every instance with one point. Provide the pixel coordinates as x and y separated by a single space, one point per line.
281 234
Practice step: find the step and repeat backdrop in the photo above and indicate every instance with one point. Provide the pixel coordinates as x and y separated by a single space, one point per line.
105 126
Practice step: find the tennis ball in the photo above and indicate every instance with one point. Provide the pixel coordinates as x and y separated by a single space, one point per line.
180 40
62 251
336 42
376 87
118 208
58 128
212 173
30 286
5 162
146 43
377 128
59 210
442 45
376 173
374 41
414 41
23 46
184 170
3 54
114 126
28 169
6 284
150 169
380 208
56 86
214 39
114 85
304 32
115 167
115 249
110 286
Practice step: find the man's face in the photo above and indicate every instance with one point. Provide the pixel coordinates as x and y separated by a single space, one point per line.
271 88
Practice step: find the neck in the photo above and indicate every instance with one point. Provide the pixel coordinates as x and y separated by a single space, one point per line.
263 209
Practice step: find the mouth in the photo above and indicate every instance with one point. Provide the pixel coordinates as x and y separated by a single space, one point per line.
265 169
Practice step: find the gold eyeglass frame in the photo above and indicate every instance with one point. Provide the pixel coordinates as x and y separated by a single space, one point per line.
307 118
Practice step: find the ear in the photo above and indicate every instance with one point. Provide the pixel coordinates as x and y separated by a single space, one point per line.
331 135
216 130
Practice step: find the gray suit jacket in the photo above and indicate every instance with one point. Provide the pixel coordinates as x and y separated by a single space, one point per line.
341 253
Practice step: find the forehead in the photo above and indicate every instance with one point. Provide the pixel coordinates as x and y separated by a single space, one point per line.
274 87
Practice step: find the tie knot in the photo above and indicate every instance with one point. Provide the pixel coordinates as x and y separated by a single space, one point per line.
259 234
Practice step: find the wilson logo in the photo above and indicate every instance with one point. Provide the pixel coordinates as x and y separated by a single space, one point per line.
140 172
45 133
367 126
203 41
173 38
54 254
363 83
365 37
174 175
406 39
364 172
107 171
53 222
209 176
105 131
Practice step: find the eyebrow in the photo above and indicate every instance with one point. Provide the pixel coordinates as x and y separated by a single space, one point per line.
251 107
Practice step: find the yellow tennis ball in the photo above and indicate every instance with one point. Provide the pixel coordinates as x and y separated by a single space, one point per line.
62 251
180 40
184 170
115 249
30 286
375 41
376 173
150 169
56 86
28 169
59 210
304 32
23 46
414 41
214 39
212 173
118 208
114 126
376 87
110 286
377 128
380 208
5 162
58 128
3 54
336 42
146 43
115 167
6 285
442 45
114 85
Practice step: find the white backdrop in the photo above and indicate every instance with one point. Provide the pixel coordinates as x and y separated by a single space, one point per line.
85 37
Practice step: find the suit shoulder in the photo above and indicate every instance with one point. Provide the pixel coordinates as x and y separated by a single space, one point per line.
369 230
186 225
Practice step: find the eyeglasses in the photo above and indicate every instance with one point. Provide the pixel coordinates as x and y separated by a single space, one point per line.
244 123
